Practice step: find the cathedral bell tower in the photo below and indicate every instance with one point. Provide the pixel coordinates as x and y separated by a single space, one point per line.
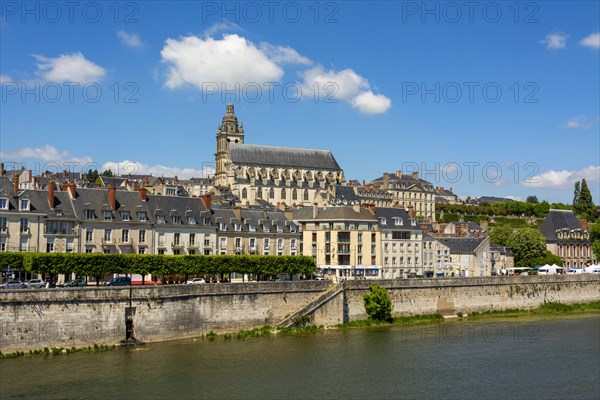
228 132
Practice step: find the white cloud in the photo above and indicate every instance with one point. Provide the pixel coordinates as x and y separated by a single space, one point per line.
555 41
233 59
137 168
47 154
346 85
369 103
221 27
5 79
579 122
515 198
562 179
283 55
68 68
129 39
592 41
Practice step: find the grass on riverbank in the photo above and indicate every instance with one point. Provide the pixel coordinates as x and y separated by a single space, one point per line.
53 351
546 309
411 320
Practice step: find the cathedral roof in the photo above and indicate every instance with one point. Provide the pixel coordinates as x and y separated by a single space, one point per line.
285 157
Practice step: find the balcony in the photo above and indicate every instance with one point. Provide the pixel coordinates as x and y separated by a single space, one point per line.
177 245
61 232
4 231
24 230
193 245
108 241
125 242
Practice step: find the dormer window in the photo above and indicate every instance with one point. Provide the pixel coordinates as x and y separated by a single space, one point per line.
382 221
125 216
108 215
3 204
251 228
293 228
266 228
222 226
279 229
59 213
24 204
237 227
413 222
398 221
191 220
89 214
160 219
206 221
176 219
142 216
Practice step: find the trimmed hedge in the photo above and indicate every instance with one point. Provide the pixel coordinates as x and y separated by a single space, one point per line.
99 264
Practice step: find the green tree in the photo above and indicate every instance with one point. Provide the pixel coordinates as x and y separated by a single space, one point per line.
91 176
585 204
576 196
548 258
541 209
595 239
499 235
108 173
532 199
527 244
378 304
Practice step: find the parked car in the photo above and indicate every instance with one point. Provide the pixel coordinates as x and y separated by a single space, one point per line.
79 282
196 281
35 283
575 271
119 281
12 284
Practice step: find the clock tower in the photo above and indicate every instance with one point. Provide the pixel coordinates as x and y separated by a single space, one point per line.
228 132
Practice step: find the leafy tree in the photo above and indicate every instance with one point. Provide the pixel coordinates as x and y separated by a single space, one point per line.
527 244
595 239
541 209
596 249
91 176
576 196
585 204
532 199
378 304
108 173
548 258
499 235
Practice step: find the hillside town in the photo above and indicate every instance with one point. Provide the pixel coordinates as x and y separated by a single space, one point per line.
271 200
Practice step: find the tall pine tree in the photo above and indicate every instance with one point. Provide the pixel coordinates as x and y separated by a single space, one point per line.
585 204
576 197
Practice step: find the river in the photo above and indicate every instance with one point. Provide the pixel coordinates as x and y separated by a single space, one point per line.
520 359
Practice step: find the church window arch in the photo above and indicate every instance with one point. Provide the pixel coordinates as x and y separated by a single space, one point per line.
272 193
305 194
283 193
244 193
259 193
294 194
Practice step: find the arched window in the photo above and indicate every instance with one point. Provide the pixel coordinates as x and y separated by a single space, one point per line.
259 193
283 193
294 194
272 193
305 194
244 193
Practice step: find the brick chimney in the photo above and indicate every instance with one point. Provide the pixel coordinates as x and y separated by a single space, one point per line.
207 200
1 168
176 179
143 193
72 190
16 183
51 194
112 197
411 211
315 210
63 186
415 174
399 174
386 181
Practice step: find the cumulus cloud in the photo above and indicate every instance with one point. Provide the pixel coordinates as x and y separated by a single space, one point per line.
5 79
225 26
592 41
348 86
283 55
233 59
137 168
579 122
47 154
129 39
555 41
68 68
563 179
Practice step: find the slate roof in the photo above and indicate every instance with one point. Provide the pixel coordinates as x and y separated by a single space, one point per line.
491 200
340 213
409 180
182 207
97 200
345 193
38 202
558 219
507 251
286 157
461 245
257 217
391 215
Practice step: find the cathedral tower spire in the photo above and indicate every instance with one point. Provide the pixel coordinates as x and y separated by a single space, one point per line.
228 132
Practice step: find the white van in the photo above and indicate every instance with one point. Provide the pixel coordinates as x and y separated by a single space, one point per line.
593 269
550 270
575 271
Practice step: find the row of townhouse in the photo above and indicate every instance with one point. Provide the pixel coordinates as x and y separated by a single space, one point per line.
346 241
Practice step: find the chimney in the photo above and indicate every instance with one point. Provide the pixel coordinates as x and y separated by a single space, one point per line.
1 168
371 208
415 174
112 197
364 182
143 193
411 211
399 174
207 200
63 187
356 208
51 194
386 181
16 183
176 179
315 210
72 190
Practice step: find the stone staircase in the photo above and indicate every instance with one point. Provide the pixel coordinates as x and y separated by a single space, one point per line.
329 294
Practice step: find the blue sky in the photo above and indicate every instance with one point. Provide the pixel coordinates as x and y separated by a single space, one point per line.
496 98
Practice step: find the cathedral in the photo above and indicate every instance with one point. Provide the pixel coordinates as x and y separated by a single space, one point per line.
284 175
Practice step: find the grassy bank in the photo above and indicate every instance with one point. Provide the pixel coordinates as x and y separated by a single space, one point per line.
411 320
54 351
548 309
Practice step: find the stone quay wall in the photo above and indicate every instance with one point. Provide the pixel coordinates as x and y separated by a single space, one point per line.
34 319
